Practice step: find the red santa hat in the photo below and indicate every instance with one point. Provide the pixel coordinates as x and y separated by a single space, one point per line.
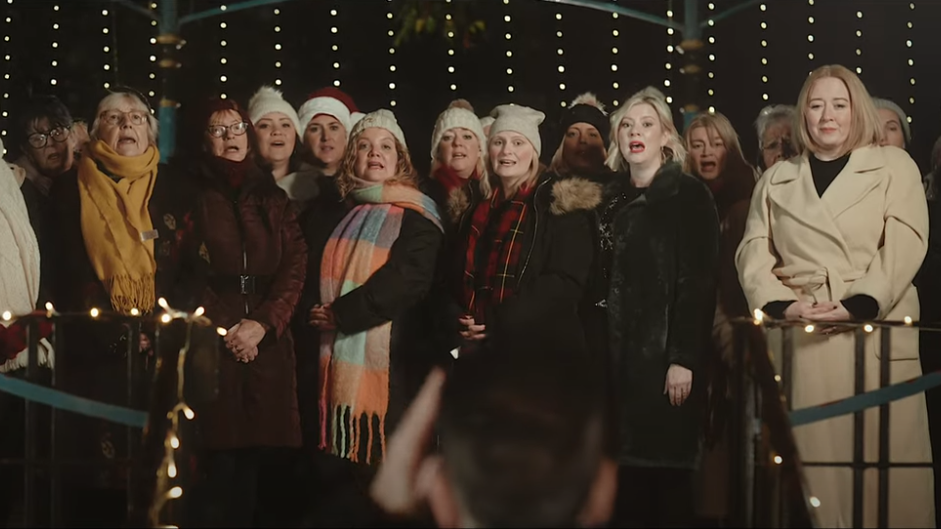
332 102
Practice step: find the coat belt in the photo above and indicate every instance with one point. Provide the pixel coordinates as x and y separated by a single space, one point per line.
835 282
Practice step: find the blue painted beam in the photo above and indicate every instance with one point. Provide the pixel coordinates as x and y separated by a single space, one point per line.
229 8
731 11
611 7
134 7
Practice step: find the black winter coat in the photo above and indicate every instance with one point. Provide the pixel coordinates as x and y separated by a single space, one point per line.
661 301
317 222
396 292
91 355
556 258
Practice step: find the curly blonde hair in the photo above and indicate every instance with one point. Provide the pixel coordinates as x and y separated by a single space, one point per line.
405 173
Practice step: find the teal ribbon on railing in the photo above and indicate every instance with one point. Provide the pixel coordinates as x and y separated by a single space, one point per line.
870 399
65 401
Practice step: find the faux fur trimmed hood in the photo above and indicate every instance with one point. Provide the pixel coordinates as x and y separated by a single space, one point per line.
568 195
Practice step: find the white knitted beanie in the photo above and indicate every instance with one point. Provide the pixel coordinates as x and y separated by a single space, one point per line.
520 119
459 114
383 119
486 121
268 100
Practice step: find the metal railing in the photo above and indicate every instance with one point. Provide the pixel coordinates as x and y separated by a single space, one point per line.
768 484
149 383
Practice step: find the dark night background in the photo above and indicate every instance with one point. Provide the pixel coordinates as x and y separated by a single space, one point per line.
421 77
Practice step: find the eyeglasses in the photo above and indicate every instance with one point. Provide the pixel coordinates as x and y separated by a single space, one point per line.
218 131
38 140
116 117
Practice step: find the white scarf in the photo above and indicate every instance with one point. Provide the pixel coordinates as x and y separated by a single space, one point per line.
19 263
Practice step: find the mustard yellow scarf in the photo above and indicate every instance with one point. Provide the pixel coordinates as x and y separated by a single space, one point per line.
116 223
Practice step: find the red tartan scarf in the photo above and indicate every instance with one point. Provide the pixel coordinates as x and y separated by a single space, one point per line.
496 228
450 180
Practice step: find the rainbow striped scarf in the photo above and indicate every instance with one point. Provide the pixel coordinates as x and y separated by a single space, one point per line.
354 369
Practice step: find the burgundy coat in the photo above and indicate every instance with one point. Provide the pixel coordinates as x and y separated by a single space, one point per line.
252 234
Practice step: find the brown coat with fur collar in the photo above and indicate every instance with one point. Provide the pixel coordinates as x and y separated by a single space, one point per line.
557 256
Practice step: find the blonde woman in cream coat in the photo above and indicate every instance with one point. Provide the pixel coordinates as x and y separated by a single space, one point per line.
834 234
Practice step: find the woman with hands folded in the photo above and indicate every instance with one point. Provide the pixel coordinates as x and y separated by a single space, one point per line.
255 258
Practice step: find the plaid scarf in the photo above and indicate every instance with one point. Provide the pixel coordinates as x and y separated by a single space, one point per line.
354 369
496 241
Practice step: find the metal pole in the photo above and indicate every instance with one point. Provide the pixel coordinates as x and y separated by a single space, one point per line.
859 430
787 365
739 435
884 380
55 473
29 466
692 46
133 348
169 40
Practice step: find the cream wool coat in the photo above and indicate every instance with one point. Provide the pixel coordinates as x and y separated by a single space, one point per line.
867 234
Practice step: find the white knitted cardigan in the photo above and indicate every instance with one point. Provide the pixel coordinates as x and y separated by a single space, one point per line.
19 262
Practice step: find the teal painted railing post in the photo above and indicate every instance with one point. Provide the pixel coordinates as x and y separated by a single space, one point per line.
169 39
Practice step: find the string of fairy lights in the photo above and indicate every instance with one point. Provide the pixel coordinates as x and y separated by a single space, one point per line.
7 71
671 49
54 19
810 33
223 60
561 54
167 487
764 50
277 52
615 62
509 53
152 75
711 49
391 18
335 30
859 39
106 31
911 61
450 53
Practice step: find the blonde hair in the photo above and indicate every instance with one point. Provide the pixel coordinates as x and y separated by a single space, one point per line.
110 102
404 170
726 132
490 181
865 126
672 151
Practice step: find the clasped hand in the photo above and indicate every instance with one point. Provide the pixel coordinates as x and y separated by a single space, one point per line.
823 311
472 332
243 339
323 318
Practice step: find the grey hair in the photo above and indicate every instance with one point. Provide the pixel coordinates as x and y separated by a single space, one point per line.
110 101
772 114
903 118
